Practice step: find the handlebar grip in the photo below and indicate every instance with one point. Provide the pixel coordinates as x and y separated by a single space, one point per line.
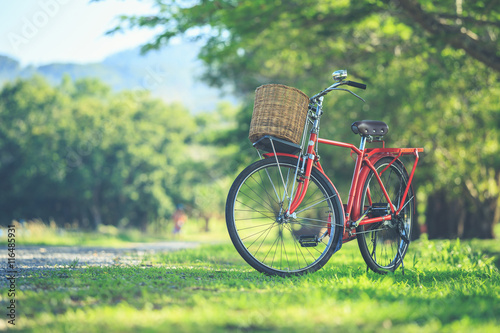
356 84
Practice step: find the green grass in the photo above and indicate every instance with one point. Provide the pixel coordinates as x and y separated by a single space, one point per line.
448 286
38 233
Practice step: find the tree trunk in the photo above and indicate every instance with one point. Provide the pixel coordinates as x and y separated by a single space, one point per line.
97 218
207 220
462 217
95 209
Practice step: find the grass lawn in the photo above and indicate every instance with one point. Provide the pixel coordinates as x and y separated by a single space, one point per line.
448 286
38 233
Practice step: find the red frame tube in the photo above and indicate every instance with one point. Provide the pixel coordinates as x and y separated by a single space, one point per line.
375 220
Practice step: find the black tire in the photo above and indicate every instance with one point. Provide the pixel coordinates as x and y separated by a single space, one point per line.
273 245
383 245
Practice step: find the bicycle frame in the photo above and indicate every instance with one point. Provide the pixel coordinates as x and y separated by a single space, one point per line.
365 160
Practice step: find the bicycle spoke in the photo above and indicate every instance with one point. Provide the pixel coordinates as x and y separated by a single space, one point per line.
262 242
267 204
260 232
250 209
261 185
284 248
255 226
322 221
286 186
407 202
308 225
311 194
297 247
309 207
254 210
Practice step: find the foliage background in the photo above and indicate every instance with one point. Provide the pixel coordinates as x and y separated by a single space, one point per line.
432 69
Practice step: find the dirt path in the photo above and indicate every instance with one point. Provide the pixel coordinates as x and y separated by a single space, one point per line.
29 258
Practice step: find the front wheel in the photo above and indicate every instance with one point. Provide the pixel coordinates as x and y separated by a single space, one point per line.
383 245
268 239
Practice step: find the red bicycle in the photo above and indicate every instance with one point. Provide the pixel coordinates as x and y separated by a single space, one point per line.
285 217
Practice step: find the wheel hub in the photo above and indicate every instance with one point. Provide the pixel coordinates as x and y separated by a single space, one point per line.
283 218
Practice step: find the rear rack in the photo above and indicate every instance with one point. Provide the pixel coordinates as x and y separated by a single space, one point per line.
393 151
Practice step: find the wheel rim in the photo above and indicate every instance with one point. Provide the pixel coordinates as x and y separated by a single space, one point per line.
383 240
275 241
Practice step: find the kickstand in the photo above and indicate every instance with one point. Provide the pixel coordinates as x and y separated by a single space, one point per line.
402 266
407 242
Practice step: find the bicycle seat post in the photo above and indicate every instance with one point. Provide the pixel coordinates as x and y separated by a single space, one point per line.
362 143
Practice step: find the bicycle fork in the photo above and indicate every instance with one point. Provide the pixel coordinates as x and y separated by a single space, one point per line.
303 184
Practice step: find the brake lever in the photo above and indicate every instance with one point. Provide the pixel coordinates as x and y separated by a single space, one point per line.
349 92
315 98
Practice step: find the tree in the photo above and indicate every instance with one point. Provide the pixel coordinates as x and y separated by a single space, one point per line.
432 68
212 167
473 27
79 152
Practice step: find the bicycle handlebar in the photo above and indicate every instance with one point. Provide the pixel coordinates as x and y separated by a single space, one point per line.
334 87
356 84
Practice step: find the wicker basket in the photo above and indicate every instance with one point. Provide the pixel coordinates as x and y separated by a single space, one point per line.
279 111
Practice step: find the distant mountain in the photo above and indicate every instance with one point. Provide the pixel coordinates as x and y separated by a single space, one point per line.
171 74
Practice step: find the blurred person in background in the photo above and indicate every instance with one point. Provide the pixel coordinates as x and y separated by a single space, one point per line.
179 218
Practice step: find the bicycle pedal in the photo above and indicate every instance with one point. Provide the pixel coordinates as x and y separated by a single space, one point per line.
380 209
308 241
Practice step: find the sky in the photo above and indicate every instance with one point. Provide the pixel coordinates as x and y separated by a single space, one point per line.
37 32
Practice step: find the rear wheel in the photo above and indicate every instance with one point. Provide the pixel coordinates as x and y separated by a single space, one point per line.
265 237
383 245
